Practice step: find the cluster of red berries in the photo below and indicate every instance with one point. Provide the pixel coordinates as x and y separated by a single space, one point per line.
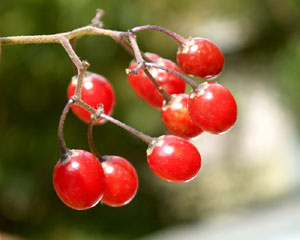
81 180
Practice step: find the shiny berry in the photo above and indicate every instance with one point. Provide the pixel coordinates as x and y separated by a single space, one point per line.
176 117
213 107
79 179
121 181
95 90
144 87
200 57
173 158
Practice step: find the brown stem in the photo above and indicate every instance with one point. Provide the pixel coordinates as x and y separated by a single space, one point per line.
188 80
141 65
145 138
60 133
96 21
84 105
126 45
81 71
73 44
68 48
136 49
165 95
173 35
56 38
90 139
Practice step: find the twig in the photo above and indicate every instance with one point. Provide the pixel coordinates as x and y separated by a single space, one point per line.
90 138
60 134
188 80
173 35
145 138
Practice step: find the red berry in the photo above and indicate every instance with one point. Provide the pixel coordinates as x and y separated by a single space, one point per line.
144 87
121 181
95 90
176 118
213 107
79 180
200 57
173 158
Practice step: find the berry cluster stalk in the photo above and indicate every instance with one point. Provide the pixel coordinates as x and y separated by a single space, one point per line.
60 134
145 138
90 139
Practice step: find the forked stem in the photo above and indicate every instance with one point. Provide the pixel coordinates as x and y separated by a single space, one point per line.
96 21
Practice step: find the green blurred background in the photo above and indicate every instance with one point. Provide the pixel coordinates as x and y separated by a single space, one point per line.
256 163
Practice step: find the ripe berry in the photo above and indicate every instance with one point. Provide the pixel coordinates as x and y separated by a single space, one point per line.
176 118
213 107
121 181
200 57
173 158
79 179
144 87
95 90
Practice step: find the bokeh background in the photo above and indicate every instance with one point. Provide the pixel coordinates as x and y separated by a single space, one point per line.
254 168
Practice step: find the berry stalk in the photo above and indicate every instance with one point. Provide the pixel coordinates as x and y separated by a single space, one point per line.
144 137
188 80
60 134
90 139
171 34
165 95
136 49
142 65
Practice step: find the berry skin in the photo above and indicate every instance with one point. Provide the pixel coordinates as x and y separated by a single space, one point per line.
176 117
79 180
213 108
173 158
144 87
200 57
95 90
121 181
